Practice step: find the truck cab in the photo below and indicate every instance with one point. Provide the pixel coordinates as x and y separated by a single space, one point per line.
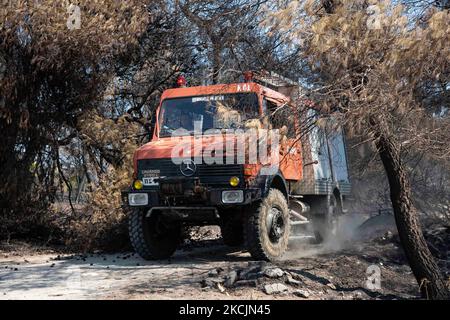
231 155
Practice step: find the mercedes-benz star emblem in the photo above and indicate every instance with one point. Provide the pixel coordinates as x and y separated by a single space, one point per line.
187 168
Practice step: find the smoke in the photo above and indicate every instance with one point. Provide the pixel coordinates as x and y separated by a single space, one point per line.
347 231
352 231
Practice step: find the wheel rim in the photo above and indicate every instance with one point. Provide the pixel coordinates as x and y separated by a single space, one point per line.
275 224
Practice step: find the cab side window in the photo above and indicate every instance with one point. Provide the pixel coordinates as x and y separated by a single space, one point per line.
280 116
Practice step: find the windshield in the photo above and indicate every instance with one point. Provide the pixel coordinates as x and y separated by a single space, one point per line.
200 113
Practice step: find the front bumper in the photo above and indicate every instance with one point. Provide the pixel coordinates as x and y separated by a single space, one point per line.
211 197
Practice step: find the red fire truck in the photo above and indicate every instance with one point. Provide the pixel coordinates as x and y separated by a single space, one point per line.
261 205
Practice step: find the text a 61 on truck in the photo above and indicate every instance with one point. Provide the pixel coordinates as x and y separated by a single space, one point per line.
259 205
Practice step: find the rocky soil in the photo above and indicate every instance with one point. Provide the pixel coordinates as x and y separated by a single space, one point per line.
206 269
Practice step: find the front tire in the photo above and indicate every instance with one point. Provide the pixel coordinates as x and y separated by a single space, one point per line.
267 227
151 237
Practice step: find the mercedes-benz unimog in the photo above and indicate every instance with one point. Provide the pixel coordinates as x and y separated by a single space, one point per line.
234 155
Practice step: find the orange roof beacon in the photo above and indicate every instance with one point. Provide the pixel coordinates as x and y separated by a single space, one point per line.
237 155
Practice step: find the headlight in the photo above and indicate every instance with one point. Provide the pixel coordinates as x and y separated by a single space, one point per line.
138 185
137 199
234 181
234 196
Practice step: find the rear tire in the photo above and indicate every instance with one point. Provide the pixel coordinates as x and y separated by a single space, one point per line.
150 237
267 227
325 222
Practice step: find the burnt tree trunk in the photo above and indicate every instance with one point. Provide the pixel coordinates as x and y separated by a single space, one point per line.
423 265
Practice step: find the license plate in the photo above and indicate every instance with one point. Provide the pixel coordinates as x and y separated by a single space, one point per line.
150 177
150 181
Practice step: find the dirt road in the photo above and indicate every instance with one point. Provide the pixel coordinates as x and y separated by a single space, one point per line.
110 276
332 275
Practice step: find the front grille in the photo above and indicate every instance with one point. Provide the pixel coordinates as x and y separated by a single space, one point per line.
216 175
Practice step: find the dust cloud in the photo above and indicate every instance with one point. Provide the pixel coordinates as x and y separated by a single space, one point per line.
351 231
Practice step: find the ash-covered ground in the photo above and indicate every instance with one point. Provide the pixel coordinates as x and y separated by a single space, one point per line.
365 265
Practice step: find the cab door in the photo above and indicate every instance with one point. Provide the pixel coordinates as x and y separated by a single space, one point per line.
283 118
291 160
